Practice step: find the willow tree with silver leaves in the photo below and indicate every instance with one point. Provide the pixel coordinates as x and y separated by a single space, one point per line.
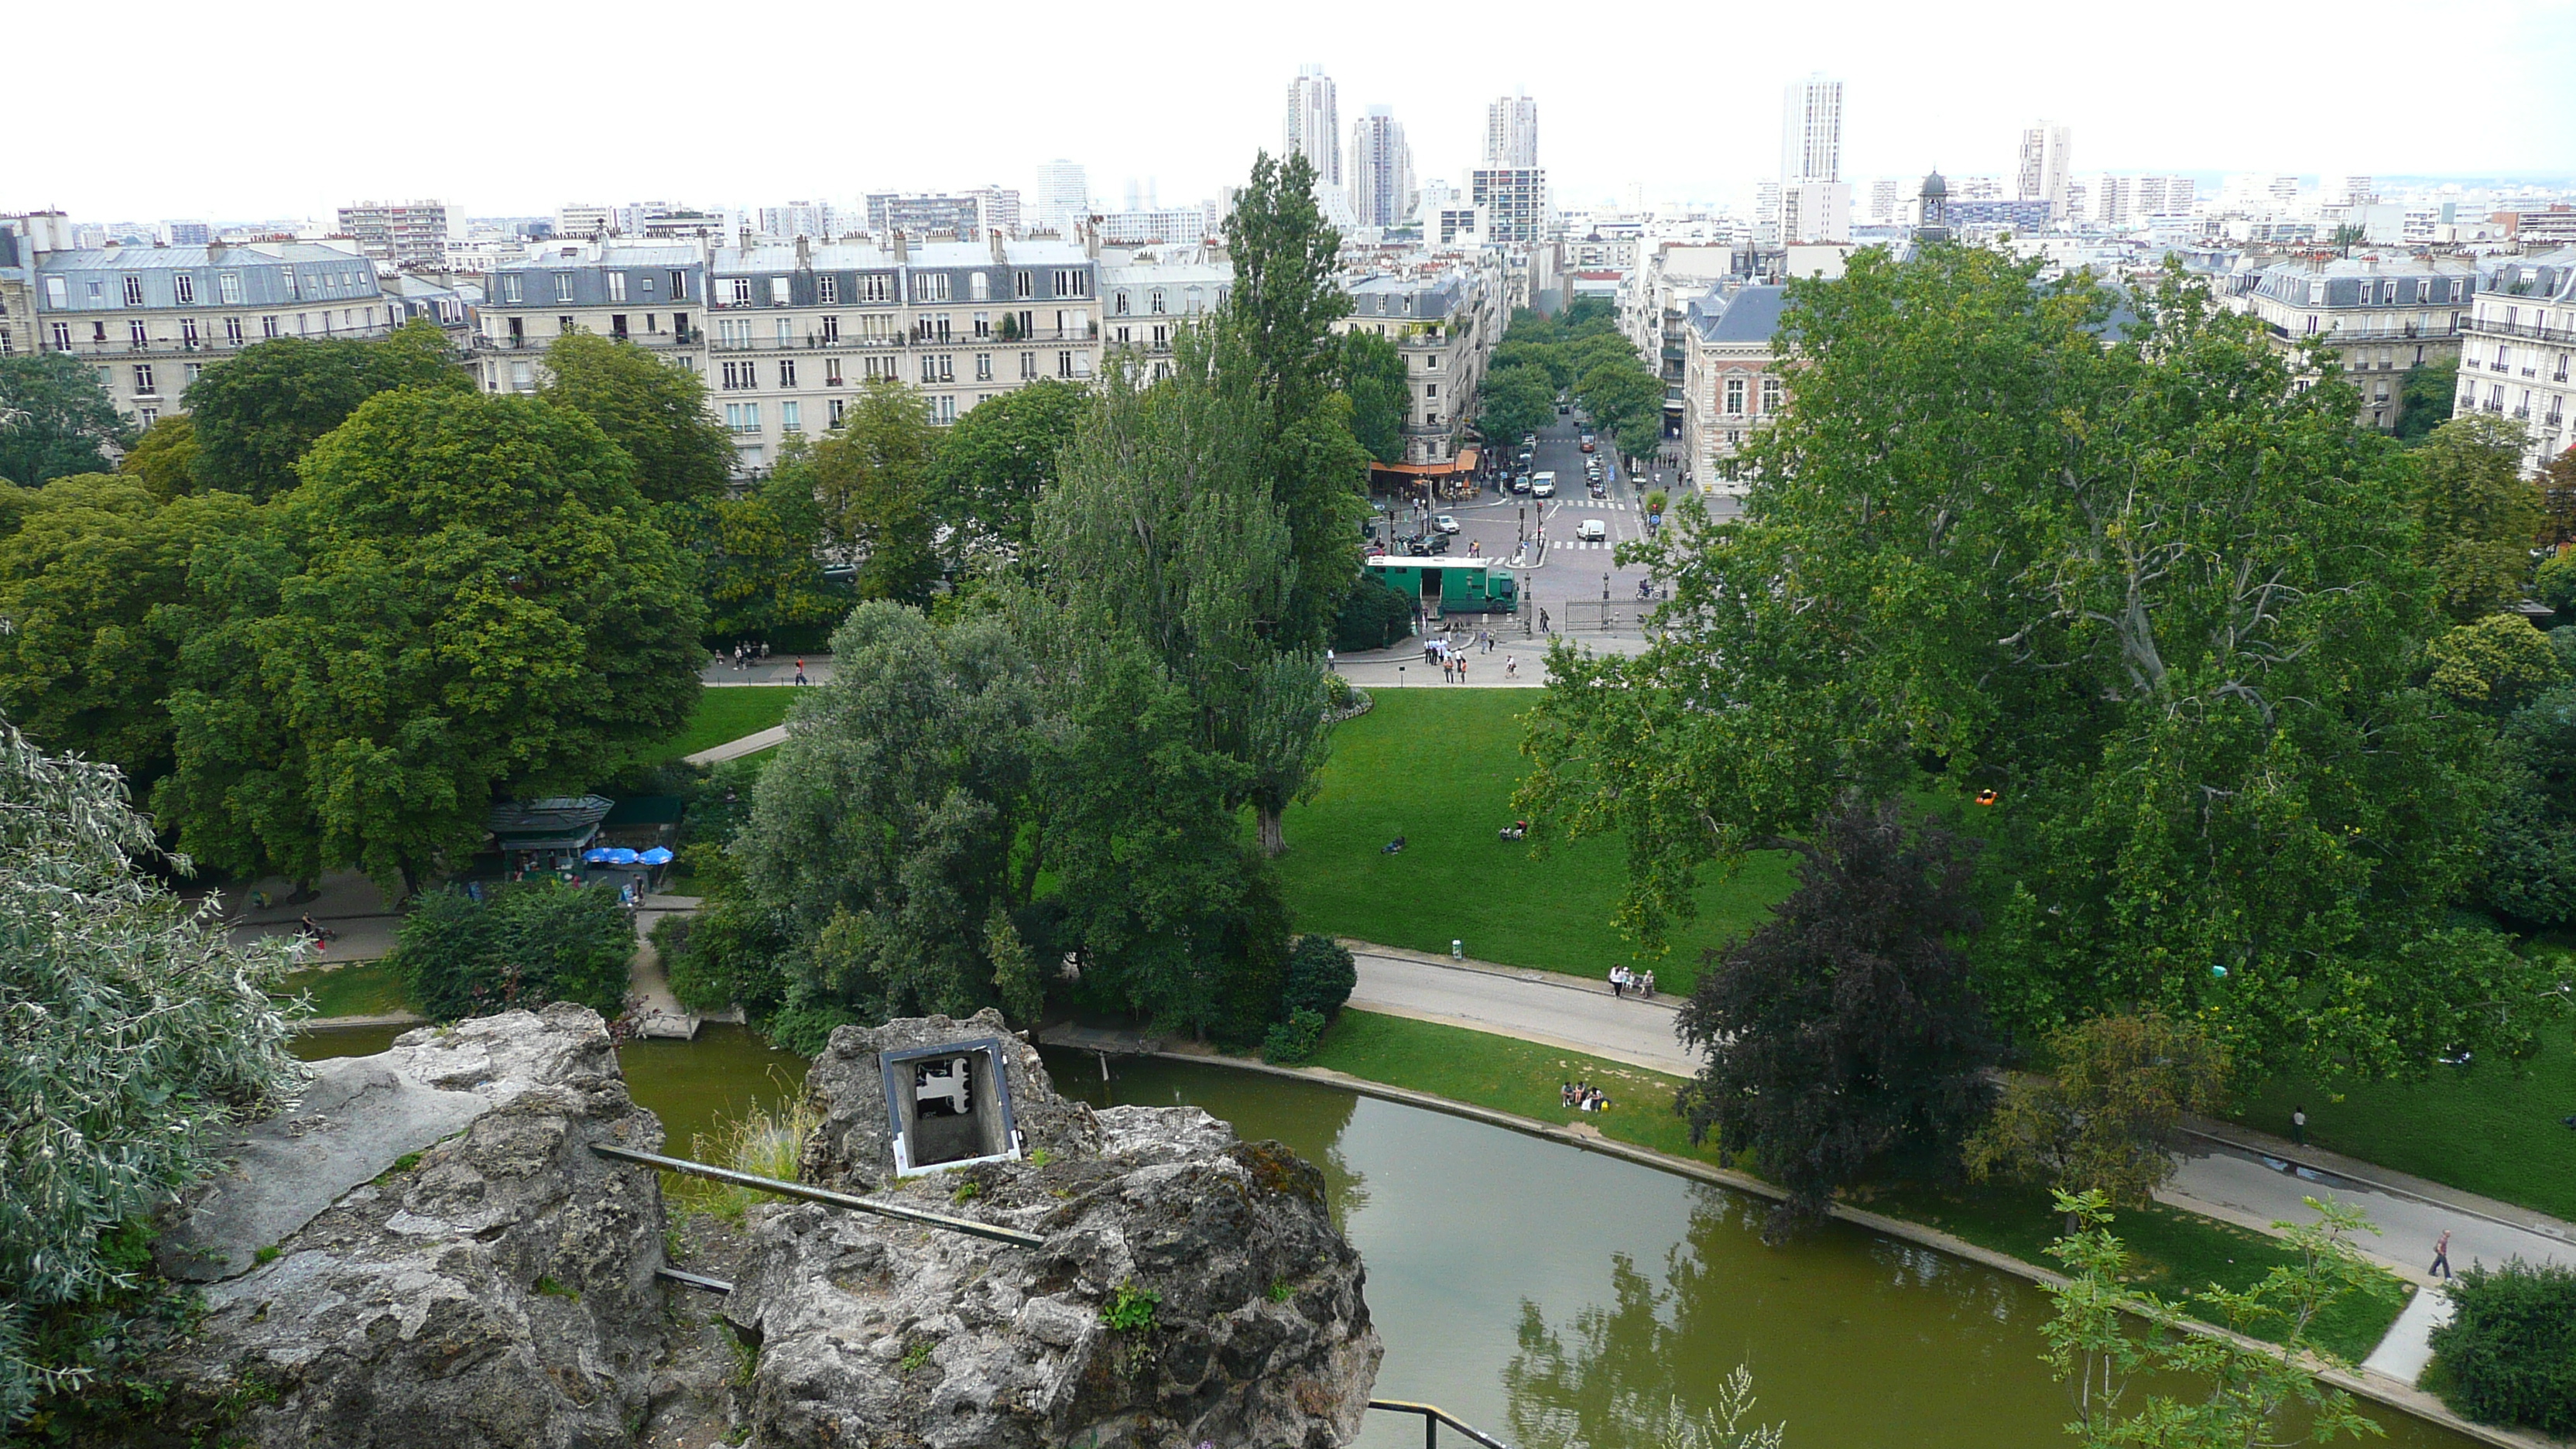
2131 595
130 1032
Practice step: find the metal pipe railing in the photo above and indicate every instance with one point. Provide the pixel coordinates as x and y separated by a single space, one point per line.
827 1198
1433 1416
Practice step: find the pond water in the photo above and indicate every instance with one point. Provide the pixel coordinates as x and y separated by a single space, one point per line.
1538 1291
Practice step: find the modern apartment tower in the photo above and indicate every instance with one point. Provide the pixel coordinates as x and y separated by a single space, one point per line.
1811 131
1511 133
1063 195
1382 190
2044 168
1314 127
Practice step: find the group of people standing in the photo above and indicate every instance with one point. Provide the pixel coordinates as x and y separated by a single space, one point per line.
1623 981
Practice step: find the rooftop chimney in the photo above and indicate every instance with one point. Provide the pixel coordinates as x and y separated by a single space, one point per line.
998 254
804 253
902 249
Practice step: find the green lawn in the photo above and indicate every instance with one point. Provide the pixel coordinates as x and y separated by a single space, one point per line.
2176 1252
727 714
2486 1128
1438 766
366 988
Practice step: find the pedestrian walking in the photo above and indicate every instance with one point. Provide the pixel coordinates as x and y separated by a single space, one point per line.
2299 1126
800 669
2442 1255
1511 667
1619 981
1329 666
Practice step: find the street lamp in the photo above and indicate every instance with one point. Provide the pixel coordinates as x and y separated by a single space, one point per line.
1605 588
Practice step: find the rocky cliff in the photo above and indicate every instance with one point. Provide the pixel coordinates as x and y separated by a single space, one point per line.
424 1251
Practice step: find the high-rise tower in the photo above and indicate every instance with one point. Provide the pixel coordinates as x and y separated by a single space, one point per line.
1314 127
1811 131
2044 167
1381 170
1511 132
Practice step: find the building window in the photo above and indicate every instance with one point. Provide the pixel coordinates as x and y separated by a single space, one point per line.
1770 395
791 416
930 287
148 416
983 324
786 331
188 331
143 380
190 373
979 287
983 367
943 409
616 286
831 372
741 375
874 289
1024 284
787 372
929 369
827 291
679 286
62 337
1154 300
1735 396
134 291
1064 364
186 286
837 406
742 291
138 333
563 286
563 325
832 329
779 295
1074 283
1118 302
268 327
1028 366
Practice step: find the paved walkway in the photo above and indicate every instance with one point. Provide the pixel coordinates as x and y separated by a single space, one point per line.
777 669
2234 1175
751 744
1403 666
346 901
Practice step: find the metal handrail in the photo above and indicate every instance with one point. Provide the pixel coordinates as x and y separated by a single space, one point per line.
824 1196
1433 1416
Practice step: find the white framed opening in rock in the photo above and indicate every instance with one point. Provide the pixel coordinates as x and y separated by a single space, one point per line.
949 1105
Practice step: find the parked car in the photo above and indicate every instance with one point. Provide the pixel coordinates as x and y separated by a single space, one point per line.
1520 483
1592 530
1445 523
1544 485
1599 490
1587 444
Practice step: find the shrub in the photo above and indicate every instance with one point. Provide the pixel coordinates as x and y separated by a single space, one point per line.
133 1034
1321 976
1294 1040
526 945
2510 1346
1374 614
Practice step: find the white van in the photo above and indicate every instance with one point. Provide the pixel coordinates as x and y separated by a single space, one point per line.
1592 530
1544 485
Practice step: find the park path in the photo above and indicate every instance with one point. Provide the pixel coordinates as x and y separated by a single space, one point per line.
2230 1173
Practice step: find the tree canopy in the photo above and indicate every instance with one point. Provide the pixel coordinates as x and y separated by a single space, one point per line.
873 481
2152 605
466 597
55 419
2480 514
256 413
1373 376
996 461
654 409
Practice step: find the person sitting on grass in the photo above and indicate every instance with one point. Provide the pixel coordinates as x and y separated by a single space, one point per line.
1392 847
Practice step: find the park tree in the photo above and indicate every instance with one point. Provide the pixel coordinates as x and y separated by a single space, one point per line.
95 592
995 463
257 412
653 408
465 598
2108 1116
1284 356
2558 498
1372 374
55 419
2493 665
2155 607
873 479
2424 398
136 1035
2529 870
1516 401
1843 1036
894 825
2125 1349
761 573
1626 402
521 945
2480 515
164 459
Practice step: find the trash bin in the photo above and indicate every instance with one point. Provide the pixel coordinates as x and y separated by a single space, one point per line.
1457 950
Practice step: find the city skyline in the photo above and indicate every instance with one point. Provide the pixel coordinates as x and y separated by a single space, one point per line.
2169 107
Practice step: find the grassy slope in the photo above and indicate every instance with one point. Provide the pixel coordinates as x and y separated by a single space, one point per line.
2487 1129
1438 766
366 988
2175 1251
727 714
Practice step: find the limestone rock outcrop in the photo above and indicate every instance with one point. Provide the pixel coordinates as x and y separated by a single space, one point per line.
1190 1289
492 1287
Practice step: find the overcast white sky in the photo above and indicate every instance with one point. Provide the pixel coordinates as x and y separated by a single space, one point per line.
280 108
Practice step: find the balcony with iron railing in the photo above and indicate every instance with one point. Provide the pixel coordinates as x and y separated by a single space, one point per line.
2497 327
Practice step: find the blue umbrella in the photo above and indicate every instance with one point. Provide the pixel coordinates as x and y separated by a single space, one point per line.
597 856
658 855
619 855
